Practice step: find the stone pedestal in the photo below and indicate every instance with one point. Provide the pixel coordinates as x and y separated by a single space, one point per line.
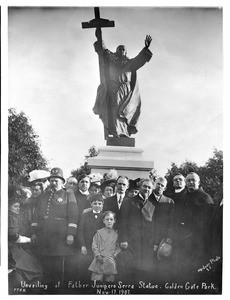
126 160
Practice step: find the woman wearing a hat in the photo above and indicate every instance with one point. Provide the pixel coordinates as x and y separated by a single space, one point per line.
108 188
23 265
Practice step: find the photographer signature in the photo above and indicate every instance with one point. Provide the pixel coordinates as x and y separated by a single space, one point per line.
209 265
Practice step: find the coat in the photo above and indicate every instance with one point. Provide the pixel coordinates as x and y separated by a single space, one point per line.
82 203
104 244
25 262
142 234
54 219
163 218
193 230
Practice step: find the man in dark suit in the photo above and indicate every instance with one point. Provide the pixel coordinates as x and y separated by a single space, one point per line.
114 203
163 214
82 194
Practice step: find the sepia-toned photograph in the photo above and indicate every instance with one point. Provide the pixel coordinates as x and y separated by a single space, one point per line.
115 150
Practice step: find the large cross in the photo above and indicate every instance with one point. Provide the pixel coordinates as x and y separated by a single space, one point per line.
98 23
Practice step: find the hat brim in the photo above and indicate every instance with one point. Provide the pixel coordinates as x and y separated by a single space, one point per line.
108 266
40 180
56 176
159 250
110 182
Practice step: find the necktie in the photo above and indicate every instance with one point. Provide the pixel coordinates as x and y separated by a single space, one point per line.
120 200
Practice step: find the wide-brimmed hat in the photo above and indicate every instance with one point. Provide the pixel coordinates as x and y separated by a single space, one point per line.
37 175
15 194
165 249
57 172
110 182
95 178
134 184
108 266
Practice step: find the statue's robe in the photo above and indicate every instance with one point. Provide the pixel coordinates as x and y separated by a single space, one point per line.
118 101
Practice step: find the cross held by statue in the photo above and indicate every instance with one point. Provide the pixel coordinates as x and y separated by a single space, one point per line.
98 23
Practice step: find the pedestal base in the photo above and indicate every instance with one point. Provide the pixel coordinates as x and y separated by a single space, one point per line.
127 161
124 142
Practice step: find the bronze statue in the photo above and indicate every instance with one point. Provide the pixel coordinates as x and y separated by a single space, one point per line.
118 101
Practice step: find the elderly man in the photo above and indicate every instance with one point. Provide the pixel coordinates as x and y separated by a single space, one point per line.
146 219
136 230
164 212
54 228
71 183
193 230
118 101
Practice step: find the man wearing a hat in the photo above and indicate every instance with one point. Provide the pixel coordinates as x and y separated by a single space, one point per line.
54 228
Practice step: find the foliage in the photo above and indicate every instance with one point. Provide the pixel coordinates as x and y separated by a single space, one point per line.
211 175
92 151
24 148
85 169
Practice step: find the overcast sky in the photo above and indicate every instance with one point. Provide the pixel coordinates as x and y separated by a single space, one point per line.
54 74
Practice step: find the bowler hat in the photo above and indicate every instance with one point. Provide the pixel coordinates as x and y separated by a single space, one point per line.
165 249
57 172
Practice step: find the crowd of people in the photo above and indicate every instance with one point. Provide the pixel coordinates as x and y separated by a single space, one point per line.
109 228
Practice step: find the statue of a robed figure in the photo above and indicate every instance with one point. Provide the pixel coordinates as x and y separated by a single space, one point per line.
118 101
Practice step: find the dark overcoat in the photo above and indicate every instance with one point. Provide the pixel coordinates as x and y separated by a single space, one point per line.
82 203
142 234
193 230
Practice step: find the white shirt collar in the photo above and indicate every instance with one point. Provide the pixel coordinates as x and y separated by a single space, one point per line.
84 193
120 196
178 190
157 197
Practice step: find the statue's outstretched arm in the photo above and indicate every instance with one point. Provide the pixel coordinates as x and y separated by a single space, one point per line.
148 41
